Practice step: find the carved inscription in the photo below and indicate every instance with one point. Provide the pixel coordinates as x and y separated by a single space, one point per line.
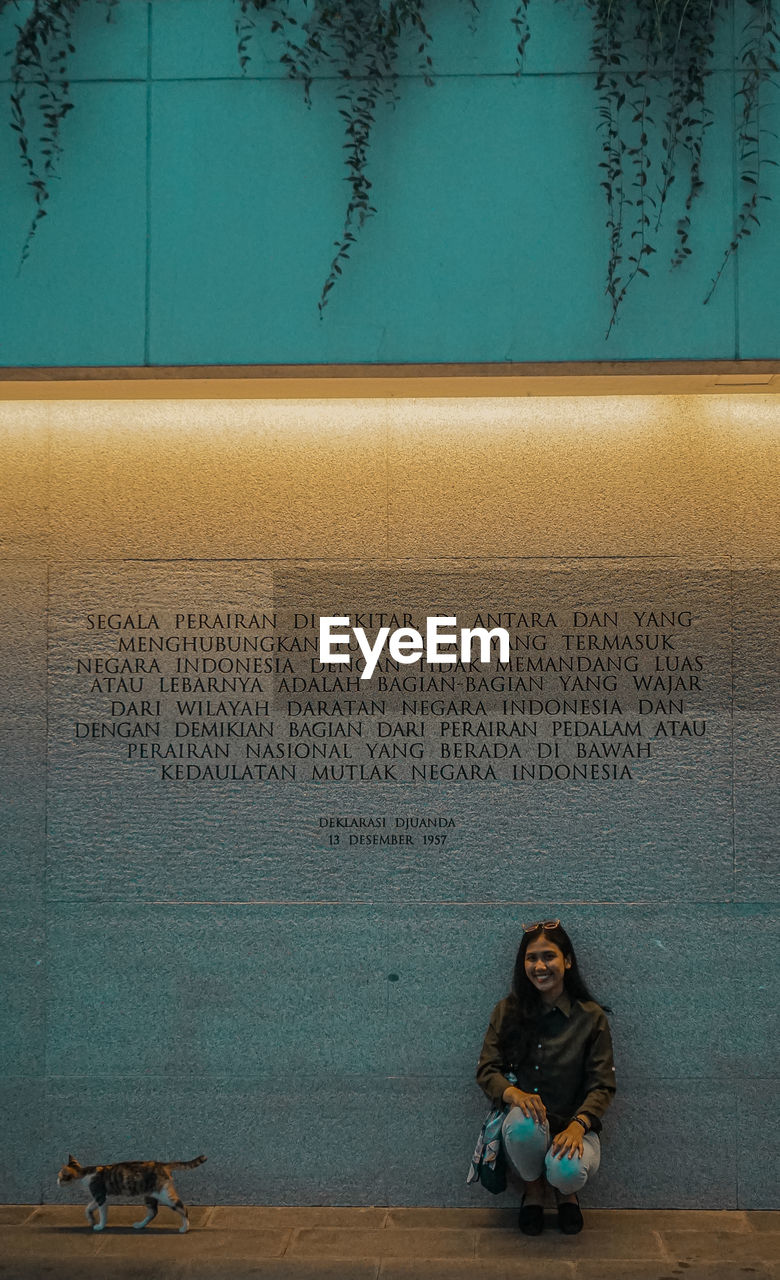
226 698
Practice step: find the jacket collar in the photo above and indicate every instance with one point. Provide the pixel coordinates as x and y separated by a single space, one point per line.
563 1003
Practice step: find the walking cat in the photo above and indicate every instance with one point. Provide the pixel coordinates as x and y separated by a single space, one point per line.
148 1178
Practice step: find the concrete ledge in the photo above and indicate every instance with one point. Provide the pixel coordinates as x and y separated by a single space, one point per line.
14 1214
256 1217
233 1242
119 1215
395 1242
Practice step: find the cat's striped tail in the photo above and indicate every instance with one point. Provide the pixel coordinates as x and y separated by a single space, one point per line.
185 1164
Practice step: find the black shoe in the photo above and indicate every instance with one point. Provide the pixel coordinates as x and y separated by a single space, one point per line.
531 1220
569 1218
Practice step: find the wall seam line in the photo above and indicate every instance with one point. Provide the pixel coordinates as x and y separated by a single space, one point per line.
734 173
350 903
387 488
733 763
371 558
148 246
44 871
45 850
584 73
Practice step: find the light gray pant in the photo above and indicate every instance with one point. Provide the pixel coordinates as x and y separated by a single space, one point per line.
527 1143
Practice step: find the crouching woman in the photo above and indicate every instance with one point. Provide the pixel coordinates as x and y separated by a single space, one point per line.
554 1038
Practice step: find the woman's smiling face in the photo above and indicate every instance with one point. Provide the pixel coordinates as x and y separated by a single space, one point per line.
545 967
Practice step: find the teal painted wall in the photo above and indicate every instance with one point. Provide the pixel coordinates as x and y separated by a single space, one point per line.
196 210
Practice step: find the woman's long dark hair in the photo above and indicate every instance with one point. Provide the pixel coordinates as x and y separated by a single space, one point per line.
526 1005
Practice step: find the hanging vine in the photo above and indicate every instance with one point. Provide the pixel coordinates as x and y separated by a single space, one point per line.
39 74
669 45
361 40
653 60
40 63
759 62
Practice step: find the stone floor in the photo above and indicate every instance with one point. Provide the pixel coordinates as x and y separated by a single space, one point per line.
265 1243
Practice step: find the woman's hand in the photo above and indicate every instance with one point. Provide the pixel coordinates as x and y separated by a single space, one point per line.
529 1103
568 1142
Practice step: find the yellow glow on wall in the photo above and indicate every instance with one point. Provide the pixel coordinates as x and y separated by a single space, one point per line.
692 476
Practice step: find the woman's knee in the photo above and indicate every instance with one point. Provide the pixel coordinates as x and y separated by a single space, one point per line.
525 1142
520 1130
567 1174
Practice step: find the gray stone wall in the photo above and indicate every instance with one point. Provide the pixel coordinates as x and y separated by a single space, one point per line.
192 964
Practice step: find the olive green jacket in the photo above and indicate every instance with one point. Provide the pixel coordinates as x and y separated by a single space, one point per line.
569 1063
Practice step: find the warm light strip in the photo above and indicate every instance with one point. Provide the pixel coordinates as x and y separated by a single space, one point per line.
756 377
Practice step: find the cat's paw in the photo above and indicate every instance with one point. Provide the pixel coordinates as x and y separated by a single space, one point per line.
185 1227
138 1225
98 1226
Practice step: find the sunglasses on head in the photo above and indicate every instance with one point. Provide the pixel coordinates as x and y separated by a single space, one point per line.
541 924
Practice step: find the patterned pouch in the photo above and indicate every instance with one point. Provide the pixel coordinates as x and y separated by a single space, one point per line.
488 1163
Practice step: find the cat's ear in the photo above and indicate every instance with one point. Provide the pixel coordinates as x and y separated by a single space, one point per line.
73 1160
